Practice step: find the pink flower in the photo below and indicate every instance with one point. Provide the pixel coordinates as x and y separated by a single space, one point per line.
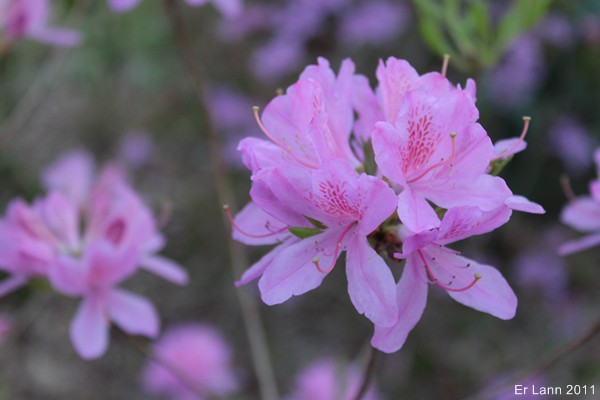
29 19
193 359
431 146
348 207
310 123
428 261
310 197
229 8
86 236
94 277
327 379
583 214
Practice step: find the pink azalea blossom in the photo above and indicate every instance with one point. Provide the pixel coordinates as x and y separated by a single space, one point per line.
310 123
349 206
583 214
29 19
310 197
86 236
327 379
193 361
229 8
429 261
431 145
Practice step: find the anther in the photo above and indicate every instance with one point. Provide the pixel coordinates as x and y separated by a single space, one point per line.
526 121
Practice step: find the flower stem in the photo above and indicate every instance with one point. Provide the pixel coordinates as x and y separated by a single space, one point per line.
367 374
238 257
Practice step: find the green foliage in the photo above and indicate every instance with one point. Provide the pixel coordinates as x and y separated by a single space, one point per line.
464 30
304 233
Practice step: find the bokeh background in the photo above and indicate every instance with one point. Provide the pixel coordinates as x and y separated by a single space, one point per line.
124 94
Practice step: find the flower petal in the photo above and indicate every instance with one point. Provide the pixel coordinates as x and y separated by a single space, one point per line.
133 313
165 268
292 271
411 301
371 284
253 226
582 214
575 246
12 283
89 329
520 203
259 267
415 212
490 294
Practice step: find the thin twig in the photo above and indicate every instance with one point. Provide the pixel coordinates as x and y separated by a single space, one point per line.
542 366
239 259
367 374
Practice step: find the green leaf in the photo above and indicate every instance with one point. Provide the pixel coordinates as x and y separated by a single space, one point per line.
369 154
498 165
304 233
479 19
316 223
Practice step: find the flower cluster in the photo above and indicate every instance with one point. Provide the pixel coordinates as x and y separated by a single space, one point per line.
583 214
412 173
29 19
86 236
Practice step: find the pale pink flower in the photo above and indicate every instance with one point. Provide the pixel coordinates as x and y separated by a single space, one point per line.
348 207
431 145
310 123
86 236
328 379
583 214
29 19
190 361
429 261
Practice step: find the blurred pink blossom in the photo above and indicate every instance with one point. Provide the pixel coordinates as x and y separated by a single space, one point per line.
373 22
189 362
86 236
328 379
136 149
583 214
570 141
29 19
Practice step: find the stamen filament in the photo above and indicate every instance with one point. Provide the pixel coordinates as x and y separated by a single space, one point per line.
450 159
565 184
277 142
526 121
336 253
476 278
445 64
243 232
